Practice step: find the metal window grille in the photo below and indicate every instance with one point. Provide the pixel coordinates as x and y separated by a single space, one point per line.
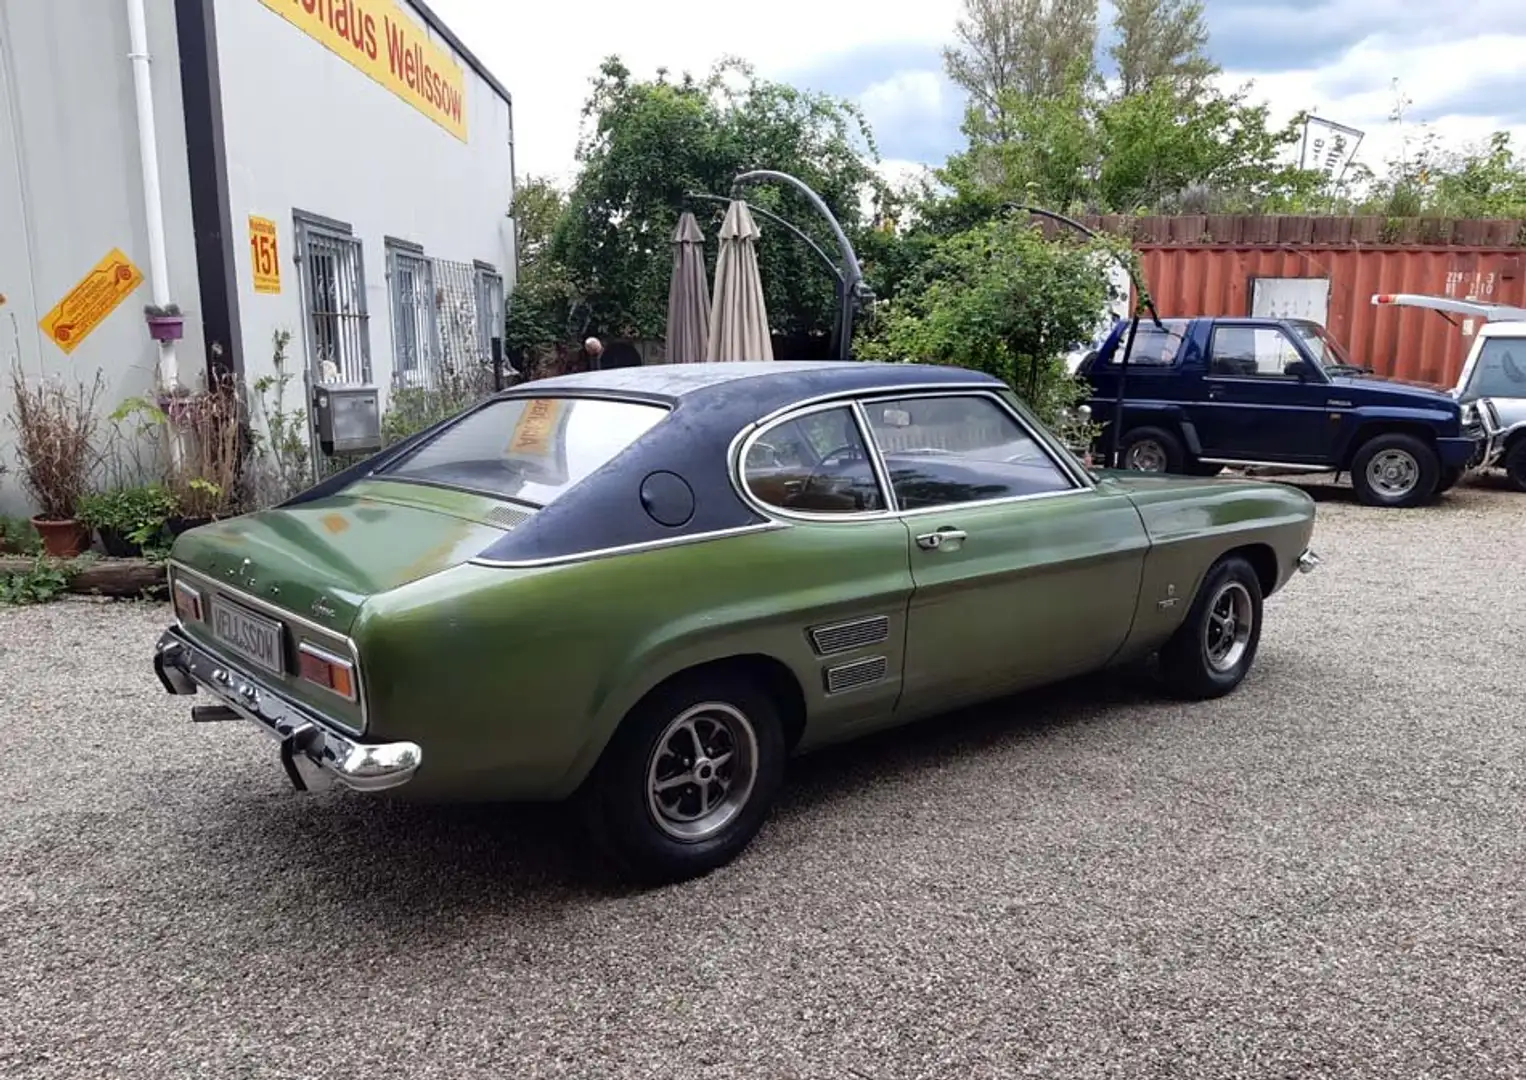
490 307
334 294
415 345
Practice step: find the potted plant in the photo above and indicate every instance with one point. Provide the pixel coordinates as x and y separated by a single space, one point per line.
56 426
165 323
128 519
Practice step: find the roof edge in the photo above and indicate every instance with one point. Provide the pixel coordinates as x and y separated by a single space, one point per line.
437 24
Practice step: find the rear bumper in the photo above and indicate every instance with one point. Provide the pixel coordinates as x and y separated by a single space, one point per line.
186 668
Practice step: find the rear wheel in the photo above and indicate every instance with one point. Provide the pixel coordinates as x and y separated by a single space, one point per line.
1395 470
1515 463
1152 449
1212 651
688 779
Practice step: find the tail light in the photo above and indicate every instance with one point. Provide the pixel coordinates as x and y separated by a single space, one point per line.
321 668
188 605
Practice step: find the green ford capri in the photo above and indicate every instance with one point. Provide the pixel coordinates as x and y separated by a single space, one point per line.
642 590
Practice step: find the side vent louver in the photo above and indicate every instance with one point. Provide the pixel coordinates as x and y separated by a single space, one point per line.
844 637
855 676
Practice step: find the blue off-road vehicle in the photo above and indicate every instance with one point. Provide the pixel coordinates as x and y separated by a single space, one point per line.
1278 394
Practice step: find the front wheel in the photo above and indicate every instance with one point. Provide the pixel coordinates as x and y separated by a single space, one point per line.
688 779
1395 470
1515 463
1212 651
1449 477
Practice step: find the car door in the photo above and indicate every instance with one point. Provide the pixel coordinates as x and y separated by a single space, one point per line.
1263 400
834 587
1023 571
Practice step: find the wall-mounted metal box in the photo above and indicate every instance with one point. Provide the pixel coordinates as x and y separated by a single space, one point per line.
348 418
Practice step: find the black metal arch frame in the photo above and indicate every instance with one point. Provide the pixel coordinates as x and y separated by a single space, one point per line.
851 289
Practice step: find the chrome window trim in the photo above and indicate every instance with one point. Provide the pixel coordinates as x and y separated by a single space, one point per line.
738 474
626 549
1058 456
1081 481
209 583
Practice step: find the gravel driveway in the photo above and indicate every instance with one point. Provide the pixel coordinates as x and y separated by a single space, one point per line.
1323 875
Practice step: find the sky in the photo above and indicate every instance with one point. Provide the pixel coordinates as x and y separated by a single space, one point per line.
1338 58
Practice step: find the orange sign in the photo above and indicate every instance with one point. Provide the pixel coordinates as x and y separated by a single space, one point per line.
378 39
264 255
88 303
537 423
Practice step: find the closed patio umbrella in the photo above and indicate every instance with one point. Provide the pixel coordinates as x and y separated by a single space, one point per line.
688 295
738 316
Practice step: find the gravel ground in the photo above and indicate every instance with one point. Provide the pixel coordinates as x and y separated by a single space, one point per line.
1321 875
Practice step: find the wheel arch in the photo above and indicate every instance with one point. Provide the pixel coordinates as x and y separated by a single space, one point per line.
1370 429
773 675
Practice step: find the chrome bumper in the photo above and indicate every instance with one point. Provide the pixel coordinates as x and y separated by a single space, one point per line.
1308 562
186 668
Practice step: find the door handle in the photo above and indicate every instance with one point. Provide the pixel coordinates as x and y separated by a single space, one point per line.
1215 391
945 539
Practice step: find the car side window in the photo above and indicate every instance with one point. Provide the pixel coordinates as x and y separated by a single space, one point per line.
1501 369
1253 352
1153 346
816 463
946 450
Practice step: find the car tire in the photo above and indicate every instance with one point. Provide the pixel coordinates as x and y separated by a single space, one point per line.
659 836
1208 656
1450 475
1152 445
1395 470
1514 463
1198 468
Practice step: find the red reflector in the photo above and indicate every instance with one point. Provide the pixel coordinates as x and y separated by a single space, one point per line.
1383 298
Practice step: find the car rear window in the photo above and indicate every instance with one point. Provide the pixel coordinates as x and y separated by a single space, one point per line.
1154 346
529 450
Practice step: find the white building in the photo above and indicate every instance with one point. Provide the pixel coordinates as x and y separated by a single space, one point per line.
338 169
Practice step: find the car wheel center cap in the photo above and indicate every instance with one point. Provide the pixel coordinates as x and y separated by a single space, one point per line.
704 770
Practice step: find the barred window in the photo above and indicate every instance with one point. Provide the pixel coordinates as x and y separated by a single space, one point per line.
415 332
334 299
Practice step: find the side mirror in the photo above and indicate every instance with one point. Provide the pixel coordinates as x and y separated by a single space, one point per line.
1296 369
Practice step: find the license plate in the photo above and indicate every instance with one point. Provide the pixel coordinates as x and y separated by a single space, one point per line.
250 636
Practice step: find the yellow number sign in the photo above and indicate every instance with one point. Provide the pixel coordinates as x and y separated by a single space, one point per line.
532 435
264 255
378 39
88 303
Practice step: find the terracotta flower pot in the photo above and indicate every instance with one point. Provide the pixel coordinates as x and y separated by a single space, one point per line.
62 539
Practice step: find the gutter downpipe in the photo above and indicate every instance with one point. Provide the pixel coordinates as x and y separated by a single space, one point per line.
153 202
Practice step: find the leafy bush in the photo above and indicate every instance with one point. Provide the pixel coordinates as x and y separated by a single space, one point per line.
39 583
137 514
1001 299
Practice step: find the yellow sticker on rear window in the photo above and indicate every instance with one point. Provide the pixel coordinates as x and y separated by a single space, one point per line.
537 424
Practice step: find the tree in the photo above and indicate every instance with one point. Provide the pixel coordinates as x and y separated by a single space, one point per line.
545 306
1002 299
1023 47
649 144
1161 42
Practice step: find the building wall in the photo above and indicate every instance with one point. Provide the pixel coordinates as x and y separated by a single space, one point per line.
1187 280
71 191
305 130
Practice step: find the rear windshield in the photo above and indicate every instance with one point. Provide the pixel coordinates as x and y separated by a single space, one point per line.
529 450
1501 369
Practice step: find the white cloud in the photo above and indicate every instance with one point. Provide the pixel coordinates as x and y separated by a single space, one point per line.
548 69
545 54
